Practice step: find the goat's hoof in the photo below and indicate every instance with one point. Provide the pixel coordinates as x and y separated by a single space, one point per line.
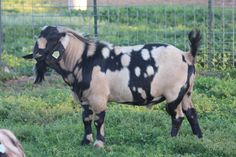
88 139
86 142
174 132
99 144
199 135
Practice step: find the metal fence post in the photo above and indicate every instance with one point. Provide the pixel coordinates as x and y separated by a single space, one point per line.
210 18
95 18
1 43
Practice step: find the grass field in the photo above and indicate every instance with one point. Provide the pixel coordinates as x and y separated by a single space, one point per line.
48 122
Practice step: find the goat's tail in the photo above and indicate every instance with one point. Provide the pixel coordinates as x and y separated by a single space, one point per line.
194 37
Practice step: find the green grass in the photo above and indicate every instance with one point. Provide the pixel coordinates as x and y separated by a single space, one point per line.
48 122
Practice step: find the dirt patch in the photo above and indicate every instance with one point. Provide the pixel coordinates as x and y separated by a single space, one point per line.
21 79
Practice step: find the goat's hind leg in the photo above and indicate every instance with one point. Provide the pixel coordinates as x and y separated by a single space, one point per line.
191 115
87 117
174 108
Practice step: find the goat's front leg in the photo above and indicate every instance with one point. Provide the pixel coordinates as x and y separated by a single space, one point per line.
99 124
87 118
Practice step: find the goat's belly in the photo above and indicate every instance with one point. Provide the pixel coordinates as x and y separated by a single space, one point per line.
125 88
120 95
119 85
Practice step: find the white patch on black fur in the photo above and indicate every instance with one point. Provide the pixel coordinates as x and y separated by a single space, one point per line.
105 52
137 47
125 60
150 70
126 49
129 49
137 71
145 75
145 54
142 92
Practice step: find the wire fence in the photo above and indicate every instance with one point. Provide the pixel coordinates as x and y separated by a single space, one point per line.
122 23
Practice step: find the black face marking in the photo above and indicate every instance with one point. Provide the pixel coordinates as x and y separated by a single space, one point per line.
191 115
52 35
183 59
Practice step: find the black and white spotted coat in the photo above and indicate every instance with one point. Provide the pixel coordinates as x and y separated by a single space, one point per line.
99 72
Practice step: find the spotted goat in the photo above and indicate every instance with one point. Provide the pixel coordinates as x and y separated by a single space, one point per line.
99 72
10 145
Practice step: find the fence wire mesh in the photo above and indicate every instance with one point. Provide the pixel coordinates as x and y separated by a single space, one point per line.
122 23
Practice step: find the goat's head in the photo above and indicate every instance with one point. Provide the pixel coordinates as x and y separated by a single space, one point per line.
48 51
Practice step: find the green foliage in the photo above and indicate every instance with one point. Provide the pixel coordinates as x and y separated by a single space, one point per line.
48 123
215 87
24 6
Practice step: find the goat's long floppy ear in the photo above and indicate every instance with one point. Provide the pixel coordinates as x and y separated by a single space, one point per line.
30 56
